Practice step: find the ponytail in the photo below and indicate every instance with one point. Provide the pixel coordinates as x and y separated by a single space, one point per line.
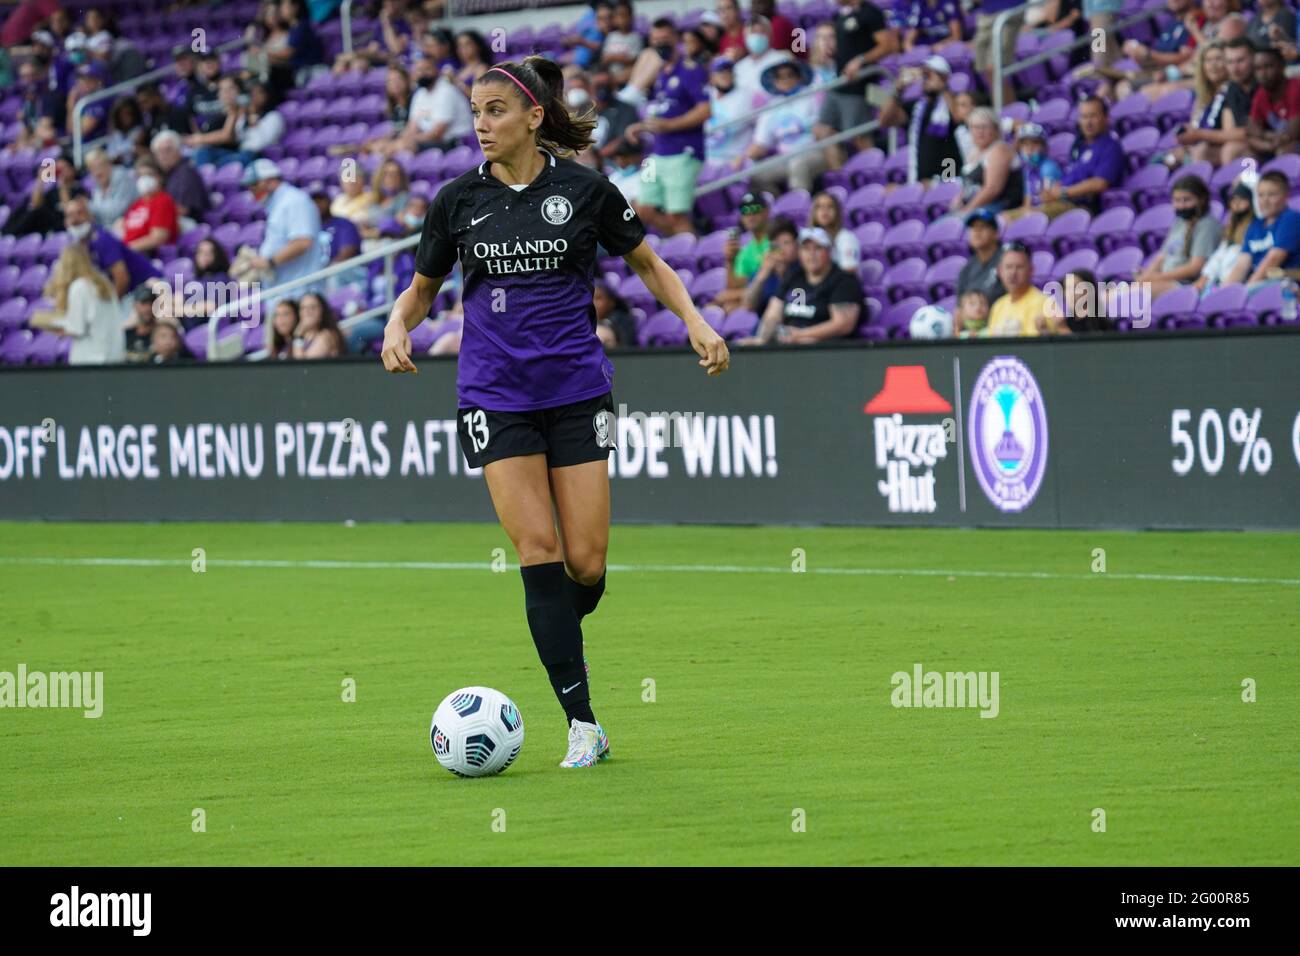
540 82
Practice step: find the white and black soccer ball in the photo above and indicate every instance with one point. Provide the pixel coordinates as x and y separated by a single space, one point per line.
930 322
476 732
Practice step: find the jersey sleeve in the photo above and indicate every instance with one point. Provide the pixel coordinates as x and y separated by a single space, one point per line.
847 291
436 254
618 227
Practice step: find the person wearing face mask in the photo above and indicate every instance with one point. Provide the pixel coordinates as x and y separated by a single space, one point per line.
1191 241
1039 171
439 115
152 220
729 105
761 56
291 245
786 129
675 117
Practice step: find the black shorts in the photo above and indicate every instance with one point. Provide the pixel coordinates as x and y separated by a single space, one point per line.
567 434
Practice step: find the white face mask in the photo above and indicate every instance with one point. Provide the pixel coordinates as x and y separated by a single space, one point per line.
146 184
80 231
577 98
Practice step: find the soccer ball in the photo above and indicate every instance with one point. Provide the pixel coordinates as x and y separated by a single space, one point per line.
476 732
931 322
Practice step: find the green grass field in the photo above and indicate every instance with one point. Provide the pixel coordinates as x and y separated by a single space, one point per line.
223 691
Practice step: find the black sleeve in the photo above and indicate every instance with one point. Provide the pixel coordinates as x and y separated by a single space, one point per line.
436 254
873 20
618 227
847 290
1239 106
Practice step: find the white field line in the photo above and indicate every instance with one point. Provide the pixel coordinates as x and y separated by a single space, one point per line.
640 569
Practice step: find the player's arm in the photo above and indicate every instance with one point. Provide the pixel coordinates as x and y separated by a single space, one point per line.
410 309
666 286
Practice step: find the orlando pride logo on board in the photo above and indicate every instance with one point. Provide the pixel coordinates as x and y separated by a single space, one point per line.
907 450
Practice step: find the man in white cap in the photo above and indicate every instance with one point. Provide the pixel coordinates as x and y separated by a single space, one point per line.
291 247
818 301
932 148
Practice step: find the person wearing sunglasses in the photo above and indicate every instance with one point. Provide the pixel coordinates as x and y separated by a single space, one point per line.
743 262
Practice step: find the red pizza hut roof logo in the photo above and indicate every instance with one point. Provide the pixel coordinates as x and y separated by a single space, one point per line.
907 391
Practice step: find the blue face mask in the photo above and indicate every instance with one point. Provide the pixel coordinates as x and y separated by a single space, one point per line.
1033 159
756 43
411 220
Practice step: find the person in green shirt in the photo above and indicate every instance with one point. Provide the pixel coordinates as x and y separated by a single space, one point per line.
743 262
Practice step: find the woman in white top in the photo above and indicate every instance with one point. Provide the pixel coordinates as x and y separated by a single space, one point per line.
258 125
826 212
88 309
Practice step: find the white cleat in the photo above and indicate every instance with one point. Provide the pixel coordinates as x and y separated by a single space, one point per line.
584 745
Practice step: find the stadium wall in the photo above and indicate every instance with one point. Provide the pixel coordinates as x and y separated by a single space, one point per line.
1197 431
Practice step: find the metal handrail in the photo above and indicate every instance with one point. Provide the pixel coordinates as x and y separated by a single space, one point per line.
780 101
345 19
783 159
78 147
999 24
225 309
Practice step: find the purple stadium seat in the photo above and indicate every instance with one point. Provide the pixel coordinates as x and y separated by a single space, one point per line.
870 271
895 318
45 348
227 236
1129 113
862 168
1058 147
1043 262
909 231
1176 302
16 346
738 324
1266 303
1221 181
1073 261
679 251
871 238
794 205
906 278
905 202
1120 264
13 313
662 328
634 291
1053 116
1027 228
32 281
942 276
8 279
1288 165
1173 108
942 237
1153 225
1224 304
938 198
706 286
709 250
190 240
1139 146
895 167
26 250
1066 232
866 204
1148 186
1111 228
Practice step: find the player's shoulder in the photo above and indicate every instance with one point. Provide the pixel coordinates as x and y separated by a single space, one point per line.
580 177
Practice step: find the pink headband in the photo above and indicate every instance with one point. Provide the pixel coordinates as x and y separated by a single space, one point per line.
513 79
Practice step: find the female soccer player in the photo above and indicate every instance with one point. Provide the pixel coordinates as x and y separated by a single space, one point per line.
533 383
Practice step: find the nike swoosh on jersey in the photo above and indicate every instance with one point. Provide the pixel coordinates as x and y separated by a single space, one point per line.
567 689
475 222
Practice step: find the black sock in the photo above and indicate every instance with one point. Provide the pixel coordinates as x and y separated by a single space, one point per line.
585 596
558 637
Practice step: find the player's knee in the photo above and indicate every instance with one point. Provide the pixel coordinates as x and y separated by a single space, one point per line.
537 549
586 565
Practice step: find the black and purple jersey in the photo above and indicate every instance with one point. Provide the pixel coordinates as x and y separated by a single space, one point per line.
528 257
